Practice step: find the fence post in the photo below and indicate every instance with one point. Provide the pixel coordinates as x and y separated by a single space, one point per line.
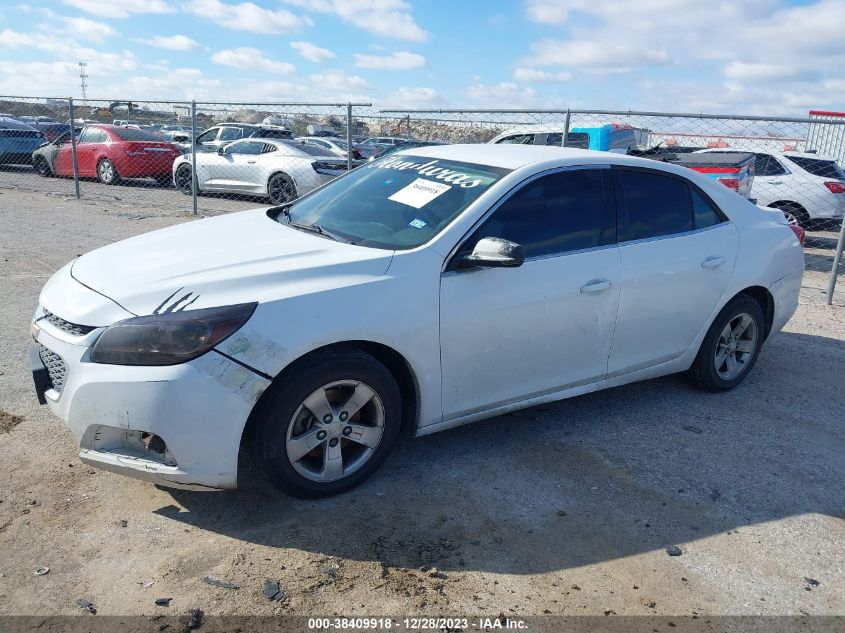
834 272
194 179
349 136
73 145
566 128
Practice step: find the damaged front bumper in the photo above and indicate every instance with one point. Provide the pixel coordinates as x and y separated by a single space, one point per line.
178 426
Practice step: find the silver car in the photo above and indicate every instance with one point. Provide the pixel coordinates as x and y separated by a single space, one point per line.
277 169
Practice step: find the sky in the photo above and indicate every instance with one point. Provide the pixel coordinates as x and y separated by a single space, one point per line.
767 57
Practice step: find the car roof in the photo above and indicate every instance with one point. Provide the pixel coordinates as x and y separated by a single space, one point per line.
514 156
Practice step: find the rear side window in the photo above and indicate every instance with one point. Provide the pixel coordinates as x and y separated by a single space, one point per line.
656 205
705 213
819 167
554 214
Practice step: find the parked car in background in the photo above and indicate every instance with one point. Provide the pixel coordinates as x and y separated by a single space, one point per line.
808 188
376 145
51 131
422 291
121 122
408 145
613 137
17 142
179 137
224 133
280 170
109 153
332 144
734 170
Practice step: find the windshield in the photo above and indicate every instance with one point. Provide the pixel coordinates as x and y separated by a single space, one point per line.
133 134
397 203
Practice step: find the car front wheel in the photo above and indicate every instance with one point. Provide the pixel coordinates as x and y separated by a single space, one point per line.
328 424
182 179
731 346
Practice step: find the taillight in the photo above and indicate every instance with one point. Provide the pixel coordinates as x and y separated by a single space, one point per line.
800 233
730 183
835 186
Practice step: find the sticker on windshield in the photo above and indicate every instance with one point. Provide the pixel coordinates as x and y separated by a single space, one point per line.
417 223
419 193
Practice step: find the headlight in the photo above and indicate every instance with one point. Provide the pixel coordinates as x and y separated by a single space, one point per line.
169 339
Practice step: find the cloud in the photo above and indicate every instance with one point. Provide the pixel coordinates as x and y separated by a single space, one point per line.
251 58
400 60
339 81
385 18
312 52
761 71
595 55
415 97
86 29
171 42
246 16
119 8
503 95
532 74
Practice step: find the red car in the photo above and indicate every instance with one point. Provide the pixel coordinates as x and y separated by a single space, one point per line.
109 153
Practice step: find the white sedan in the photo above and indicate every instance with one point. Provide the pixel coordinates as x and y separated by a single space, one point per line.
424 290
280 170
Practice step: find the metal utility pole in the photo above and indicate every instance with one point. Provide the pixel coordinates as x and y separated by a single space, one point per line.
83 78
194 180
348 136
73 145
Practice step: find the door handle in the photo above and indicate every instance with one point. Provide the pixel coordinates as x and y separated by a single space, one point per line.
598 285
251 162
774 182
713 262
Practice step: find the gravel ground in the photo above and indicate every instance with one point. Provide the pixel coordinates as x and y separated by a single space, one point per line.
566 508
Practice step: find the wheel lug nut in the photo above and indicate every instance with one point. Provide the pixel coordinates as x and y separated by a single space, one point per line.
347 430
343 416
321 435
328 418
333 441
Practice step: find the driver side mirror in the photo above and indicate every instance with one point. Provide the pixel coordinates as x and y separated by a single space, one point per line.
222 151
494 252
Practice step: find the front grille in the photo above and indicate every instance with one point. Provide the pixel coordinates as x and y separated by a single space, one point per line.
67 326
55 367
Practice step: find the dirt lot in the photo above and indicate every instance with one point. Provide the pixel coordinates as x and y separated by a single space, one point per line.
564 509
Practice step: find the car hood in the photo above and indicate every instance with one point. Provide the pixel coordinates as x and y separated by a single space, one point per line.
235 258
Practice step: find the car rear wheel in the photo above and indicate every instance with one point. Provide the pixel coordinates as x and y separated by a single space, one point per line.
41 166
183 179
328 424
731 346
281 189
107 172
795 214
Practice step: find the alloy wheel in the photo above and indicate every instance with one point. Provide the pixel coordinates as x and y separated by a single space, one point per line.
736 346
280 190
335 430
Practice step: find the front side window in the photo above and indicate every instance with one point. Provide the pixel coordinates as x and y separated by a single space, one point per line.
245 147
208 136
87 135
655 204
518 139
553 214
396 202
231 133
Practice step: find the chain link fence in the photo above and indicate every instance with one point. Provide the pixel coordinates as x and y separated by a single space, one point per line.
220 157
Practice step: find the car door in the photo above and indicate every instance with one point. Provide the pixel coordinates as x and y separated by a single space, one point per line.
677 253
242 169
771 180
511 333
85 148
207 141
62 155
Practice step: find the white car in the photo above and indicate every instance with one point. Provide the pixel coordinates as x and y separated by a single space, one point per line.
424 290
808 188
280 170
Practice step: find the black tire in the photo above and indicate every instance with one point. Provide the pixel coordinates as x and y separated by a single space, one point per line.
164 181
107 172
280 189
41 166
182 179
704 372
795 212
277 410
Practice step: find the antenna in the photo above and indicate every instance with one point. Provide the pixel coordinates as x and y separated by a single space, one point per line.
83 76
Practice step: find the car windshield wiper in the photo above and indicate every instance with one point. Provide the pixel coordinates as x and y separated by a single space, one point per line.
312 228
